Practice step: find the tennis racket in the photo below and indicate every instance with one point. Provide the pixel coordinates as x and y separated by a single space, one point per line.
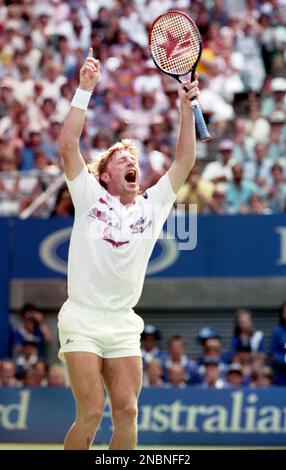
176 47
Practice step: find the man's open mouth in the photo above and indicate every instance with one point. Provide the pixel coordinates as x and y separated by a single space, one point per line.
131 176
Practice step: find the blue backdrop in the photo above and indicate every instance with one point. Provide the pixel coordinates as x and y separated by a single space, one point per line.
166 416
227 246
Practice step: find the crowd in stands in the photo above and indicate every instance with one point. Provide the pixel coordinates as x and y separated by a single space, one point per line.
28 366
247 362
242 79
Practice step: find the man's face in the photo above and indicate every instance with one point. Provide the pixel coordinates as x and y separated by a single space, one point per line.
177 347
122 176
237 173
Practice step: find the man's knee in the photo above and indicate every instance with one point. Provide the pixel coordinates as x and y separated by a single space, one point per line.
90 412
125 414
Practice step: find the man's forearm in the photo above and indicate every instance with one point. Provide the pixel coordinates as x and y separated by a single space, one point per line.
186 144
74 122
72 128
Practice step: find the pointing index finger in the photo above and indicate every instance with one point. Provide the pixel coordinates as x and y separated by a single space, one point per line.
90 52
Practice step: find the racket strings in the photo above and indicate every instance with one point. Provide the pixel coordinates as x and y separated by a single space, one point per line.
175 44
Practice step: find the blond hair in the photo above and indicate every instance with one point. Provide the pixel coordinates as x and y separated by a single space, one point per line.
100 166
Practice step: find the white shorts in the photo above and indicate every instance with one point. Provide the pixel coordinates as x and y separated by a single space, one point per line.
108 334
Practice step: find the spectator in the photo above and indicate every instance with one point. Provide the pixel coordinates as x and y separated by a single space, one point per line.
195 191
106 111
177 355
216 205
277 135
41 370
244 357
9 186
212 374
219 171
8 374
245 333
32 327
149 344
277 190
238 190
56 376
276 100
26 358
176 376
29 379
234 375
63 206
212 348
262 378
258 169
211 345
255 205
153 376
206 333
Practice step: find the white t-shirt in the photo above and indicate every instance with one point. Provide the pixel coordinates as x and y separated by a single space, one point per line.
111 244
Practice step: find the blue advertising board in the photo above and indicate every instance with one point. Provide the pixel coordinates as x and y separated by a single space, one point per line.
210 246
5 264
189 416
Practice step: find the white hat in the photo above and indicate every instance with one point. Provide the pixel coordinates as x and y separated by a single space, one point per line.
278 84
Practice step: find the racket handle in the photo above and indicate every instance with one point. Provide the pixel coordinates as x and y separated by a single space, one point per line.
200 122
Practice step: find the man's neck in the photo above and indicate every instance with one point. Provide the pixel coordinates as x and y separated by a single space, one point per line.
126 200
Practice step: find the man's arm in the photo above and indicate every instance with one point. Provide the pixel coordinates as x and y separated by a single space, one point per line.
186 145
73 124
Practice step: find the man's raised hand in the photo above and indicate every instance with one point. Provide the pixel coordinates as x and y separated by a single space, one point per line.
89 73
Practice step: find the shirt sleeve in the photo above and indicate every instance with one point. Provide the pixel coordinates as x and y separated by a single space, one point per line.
162 197
162 192
84 191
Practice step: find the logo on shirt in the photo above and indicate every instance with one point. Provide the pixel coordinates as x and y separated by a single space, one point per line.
140 225
104 217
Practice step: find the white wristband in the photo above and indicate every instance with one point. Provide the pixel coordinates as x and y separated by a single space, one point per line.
81 99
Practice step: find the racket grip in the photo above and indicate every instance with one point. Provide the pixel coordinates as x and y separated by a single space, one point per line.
200 122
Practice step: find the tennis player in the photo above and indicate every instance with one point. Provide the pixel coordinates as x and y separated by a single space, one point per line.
114 232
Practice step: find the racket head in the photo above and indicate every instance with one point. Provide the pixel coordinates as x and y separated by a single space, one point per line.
175 43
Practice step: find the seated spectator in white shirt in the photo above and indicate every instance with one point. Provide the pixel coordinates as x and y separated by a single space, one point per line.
277 135
219 171
276 101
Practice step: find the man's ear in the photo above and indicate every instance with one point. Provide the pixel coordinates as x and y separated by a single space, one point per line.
105 177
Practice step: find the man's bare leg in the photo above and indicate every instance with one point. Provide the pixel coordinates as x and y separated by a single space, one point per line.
123 380
84 370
